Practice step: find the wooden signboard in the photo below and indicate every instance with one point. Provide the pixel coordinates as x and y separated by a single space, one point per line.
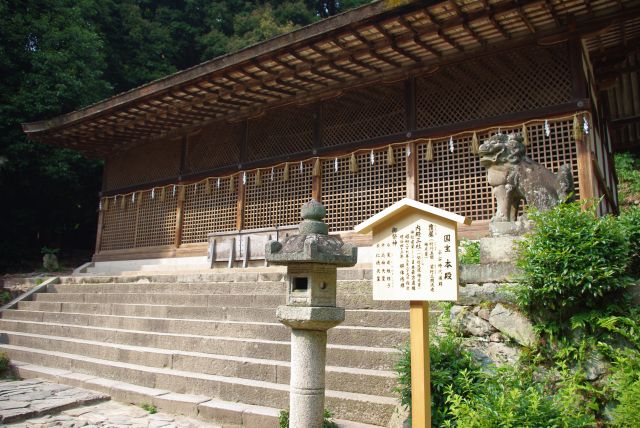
415 259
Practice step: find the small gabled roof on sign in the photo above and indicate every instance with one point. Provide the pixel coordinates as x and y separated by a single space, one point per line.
403 206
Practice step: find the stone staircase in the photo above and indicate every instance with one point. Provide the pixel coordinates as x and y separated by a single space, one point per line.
204 344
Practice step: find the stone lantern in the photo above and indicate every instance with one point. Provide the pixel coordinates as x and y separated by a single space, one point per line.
312 258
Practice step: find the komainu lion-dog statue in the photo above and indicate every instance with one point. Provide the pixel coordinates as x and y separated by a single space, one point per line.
515 177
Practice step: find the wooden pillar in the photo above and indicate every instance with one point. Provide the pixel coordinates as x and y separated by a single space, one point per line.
316 187
420 364
585 168
412 171
240 203
179 215
100 226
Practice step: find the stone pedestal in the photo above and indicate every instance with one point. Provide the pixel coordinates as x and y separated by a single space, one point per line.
309 327
306 399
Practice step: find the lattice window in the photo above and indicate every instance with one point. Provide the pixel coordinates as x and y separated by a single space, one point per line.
456 182
118 225
215 146
147 163
156 220
146 222
276 202
205 213
281 132
493 86
351 198
364 114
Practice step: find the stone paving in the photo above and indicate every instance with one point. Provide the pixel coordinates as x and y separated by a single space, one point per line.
39 404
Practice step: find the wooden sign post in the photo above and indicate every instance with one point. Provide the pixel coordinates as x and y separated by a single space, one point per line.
415 259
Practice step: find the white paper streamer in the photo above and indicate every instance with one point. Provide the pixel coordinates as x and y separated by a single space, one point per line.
301 167
133 197
100 206
585 125
153 193
372 157
218 184
451 147
408 150
547 128
174 190
271 173
244 177
335 165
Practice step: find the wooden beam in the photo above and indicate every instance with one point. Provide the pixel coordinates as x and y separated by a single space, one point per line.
240 203
100 228
412 171
420 364
585 168
179 216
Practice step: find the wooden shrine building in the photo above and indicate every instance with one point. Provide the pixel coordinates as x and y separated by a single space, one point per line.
360 110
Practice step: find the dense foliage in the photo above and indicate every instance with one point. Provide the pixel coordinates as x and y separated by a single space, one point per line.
60 55
469 252
573 260
628 172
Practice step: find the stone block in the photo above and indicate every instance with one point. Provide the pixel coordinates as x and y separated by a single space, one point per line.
500 249
513 324
493 272
263 417
474 294
222 412
179 404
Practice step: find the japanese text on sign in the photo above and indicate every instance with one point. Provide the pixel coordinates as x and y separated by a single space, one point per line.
416 262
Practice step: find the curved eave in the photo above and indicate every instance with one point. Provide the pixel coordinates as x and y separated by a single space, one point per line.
158 86
376 42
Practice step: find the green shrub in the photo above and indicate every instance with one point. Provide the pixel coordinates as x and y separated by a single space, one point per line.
630 221
571 260
511 398
4 362
625 385
149 408
469 252
283 419
628 171
5 297
452 369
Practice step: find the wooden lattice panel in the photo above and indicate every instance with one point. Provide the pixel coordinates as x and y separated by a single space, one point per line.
277 202
491 86
145 222
143 164
156 219
205 213
351 198
215 146
118 225
364 114
280 132
455 181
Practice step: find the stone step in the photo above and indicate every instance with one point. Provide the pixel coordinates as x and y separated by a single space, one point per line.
256 301
345 287
365 357
343 335
361 317
218 275
350 301
365 381
345 405
261 287
195 406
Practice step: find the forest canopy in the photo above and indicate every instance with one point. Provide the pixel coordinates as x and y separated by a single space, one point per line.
60 55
